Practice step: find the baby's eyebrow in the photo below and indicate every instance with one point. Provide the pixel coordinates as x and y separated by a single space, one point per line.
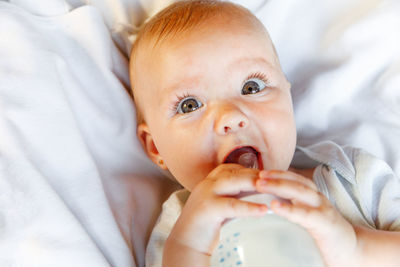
188 81
170 92
251 61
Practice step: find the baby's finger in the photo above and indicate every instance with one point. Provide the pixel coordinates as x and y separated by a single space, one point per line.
288 175
233 208
288 189
309 217
233 181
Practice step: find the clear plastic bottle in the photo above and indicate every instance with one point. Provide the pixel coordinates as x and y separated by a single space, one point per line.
270 240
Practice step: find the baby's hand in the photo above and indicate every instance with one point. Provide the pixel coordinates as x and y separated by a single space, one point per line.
333 234
213 201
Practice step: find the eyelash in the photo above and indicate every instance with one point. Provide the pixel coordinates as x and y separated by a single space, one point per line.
179 99
256 75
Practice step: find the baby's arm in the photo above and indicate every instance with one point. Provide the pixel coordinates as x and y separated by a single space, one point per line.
212 201
377 247
340 243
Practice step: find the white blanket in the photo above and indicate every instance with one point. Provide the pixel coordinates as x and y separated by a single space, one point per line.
75 186
75 190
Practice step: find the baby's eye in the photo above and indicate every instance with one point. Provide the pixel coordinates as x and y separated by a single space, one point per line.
188 104
253 86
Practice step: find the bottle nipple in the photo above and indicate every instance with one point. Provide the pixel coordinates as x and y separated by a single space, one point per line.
248 160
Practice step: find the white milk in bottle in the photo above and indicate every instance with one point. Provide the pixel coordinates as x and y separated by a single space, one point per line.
270 240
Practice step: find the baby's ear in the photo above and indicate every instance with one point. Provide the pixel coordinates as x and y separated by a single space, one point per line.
147 141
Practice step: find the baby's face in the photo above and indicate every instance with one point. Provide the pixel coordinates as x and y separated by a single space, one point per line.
207 95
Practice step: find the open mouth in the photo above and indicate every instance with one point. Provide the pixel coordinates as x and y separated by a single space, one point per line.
246 156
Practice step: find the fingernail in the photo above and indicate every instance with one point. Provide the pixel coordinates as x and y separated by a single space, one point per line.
263 182
263 174
263 208
281 205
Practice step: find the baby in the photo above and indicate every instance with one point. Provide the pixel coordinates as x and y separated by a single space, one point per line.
215 110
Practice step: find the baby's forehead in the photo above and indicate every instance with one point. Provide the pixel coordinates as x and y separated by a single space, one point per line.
224 23
188 17
156 46
197 44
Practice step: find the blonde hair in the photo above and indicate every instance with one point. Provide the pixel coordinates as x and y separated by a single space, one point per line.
179 18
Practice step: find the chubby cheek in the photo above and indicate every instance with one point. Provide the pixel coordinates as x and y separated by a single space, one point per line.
186 155
286 141
279 133
287 149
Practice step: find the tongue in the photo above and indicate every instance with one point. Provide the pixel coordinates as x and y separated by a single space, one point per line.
245 156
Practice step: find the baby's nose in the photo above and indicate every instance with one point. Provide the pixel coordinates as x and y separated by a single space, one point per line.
231 120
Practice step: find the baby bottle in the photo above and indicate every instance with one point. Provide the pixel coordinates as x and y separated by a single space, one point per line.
270 240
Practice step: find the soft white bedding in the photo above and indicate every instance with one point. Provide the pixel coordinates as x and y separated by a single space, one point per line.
75 187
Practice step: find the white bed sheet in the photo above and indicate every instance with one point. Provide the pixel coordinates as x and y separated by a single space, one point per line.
75 187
